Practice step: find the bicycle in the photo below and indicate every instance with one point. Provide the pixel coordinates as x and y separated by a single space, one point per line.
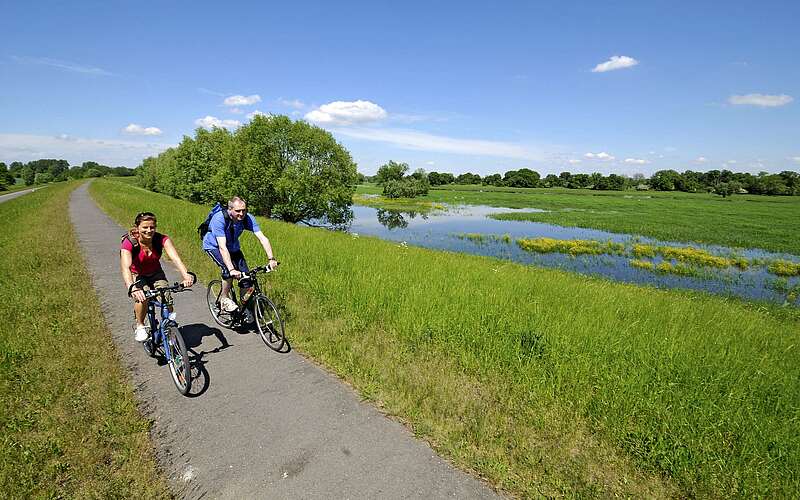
165 338
268 321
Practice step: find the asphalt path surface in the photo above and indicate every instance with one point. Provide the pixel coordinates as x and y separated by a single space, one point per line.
11 196
258 424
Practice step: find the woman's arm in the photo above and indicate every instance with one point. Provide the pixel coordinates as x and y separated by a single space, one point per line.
125 260
172 252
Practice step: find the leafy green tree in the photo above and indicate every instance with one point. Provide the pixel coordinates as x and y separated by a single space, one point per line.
664 180
93 172
551 180
42 178
493 180
290 170
523 177
28 175
468 178
391 171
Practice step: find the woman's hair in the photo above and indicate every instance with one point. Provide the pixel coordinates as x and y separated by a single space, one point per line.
141 217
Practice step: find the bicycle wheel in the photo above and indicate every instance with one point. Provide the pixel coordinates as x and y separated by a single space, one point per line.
222 317
179 365
269 323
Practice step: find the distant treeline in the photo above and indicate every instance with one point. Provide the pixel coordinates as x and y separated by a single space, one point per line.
723 182
49 170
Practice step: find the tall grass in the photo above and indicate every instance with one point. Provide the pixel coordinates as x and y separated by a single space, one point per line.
544 382
70 424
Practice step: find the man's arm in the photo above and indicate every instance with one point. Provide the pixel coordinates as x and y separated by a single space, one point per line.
267 248
226 256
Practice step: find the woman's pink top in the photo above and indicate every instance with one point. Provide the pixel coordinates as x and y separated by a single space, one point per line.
144 264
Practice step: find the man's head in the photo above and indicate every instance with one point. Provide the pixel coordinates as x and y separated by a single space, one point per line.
237 208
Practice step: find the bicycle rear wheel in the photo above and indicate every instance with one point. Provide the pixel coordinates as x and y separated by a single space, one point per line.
221 316
269 323
179 365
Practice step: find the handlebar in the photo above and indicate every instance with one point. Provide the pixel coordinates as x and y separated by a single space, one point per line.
176 287
257 270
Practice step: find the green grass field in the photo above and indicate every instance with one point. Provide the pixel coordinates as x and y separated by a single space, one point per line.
71 428
546 383
746 221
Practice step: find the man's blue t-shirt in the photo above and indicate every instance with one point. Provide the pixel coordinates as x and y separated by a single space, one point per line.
217 228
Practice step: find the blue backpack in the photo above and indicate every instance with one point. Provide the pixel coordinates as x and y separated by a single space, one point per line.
203 228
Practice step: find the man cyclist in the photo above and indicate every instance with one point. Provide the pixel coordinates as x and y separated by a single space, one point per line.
221 243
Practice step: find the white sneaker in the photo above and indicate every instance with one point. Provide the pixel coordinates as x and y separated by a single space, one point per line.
141 333
173 316
227 304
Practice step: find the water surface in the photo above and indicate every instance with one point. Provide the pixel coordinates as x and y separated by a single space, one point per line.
445 230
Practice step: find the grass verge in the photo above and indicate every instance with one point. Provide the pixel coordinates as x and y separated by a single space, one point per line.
544 382
71 428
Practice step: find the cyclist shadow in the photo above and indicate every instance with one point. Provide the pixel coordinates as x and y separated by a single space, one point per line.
193 336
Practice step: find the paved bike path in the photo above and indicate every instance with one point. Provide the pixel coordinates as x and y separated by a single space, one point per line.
261 424
15 194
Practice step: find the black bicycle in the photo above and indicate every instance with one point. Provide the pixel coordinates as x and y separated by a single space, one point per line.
165 338
267 319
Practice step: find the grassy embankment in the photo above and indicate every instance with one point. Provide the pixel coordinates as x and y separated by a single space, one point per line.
746 221
545 382
70 424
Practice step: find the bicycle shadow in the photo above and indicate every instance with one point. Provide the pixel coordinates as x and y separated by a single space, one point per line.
193 337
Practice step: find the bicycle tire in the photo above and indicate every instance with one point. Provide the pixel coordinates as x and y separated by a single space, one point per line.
222 318
179 365
269 323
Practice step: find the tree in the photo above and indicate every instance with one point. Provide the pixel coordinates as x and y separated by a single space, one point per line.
468 178
391 171
28 175
664 180
290 170
551 180
523 177
42 178
493 180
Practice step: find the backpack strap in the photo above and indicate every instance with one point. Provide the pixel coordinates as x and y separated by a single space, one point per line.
158 244
133 241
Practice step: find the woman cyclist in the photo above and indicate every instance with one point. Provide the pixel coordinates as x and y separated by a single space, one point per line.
140 262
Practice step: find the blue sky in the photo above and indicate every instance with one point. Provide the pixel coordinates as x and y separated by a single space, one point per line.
625 87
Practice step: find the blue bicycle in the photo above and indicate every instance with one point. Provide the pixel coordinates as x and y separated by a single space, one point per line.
165 338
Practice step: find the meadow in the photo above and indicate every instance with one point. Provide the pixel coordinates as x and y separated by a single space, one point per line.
743 221
71 427
543 382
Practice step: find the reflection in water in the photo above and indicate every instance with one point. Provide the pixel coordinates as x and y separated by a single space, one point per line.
393 219
469 230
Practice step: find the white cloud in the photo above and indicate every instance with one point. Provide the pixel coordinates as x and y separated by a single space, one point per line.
701 159
762 100
241 100
574 161
210 122
346 113
236 111
65 65
795 159
731 162
255 113
636 161
76 150
411 139
291 103
616 62
134 129
599 156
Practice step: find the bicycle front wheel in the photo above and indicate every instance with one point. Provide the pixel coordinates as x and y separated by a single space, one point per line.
179 365
269 323
220 315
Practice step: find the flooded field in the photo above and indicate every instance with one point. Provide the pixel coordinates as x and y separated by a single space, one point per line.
747 273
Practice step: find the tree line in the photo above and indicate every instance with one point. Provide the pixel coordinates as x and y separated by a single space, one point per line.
50 170
285 169
723 182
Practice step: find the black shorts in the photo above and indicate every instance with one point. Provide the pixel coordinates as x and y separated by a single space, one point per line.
238 261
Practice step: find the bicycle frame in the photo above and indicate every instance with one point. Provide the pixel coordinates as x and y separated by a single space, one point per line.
157 327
